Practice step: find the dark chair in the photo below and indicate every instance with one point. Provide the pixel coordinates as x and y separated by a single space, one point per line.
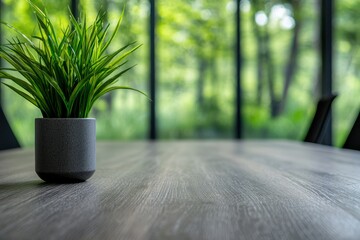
353 139
7 137
321 119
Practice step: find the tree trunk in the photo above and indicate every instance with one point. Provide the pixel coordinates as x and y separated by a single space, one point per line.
214 76
274 103
110 96
352 53
259 55
316 44
291 65
202 64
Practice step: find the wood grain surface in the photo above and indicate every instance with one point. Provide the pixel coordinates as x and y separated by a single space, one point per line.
189 190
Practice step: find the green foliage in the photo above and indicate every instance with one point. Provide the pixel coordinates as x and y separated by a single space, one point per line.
195 43
67 74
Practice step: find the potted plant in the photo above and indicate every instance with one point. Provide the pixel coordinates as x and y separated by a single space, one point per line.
63 75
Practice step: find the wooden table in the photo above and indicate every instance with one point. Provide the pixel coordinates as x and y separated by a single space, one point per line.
189 190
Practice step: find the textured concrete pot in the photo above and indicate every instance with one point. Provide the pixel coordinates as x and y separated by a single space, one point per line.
65 149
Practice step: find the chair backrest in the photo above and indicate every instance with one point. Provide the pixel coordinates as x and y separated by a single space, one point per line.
321 118
7 137
353 139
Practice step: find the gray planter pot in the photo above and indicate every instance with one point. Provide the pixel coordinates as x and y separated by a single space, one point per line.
65 149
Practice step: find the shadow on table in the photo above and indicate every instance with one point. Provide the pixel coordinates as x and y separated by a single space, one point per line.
27 185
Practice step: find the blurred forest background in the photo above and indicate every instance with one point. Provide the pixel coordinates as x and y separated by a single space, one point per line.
195 68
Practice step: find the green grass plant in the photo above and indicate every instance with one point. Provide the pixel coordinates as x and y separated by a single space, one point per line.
64 74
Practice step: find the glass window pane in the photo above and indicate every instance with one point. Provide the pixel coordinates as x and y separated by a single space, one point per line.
280 70
21 113
346 67
123 114
195 69
120 115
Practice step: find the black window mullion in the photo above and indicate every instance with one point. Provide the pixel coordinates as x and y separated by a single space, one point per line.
238 103
326 52
75 8
152 72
